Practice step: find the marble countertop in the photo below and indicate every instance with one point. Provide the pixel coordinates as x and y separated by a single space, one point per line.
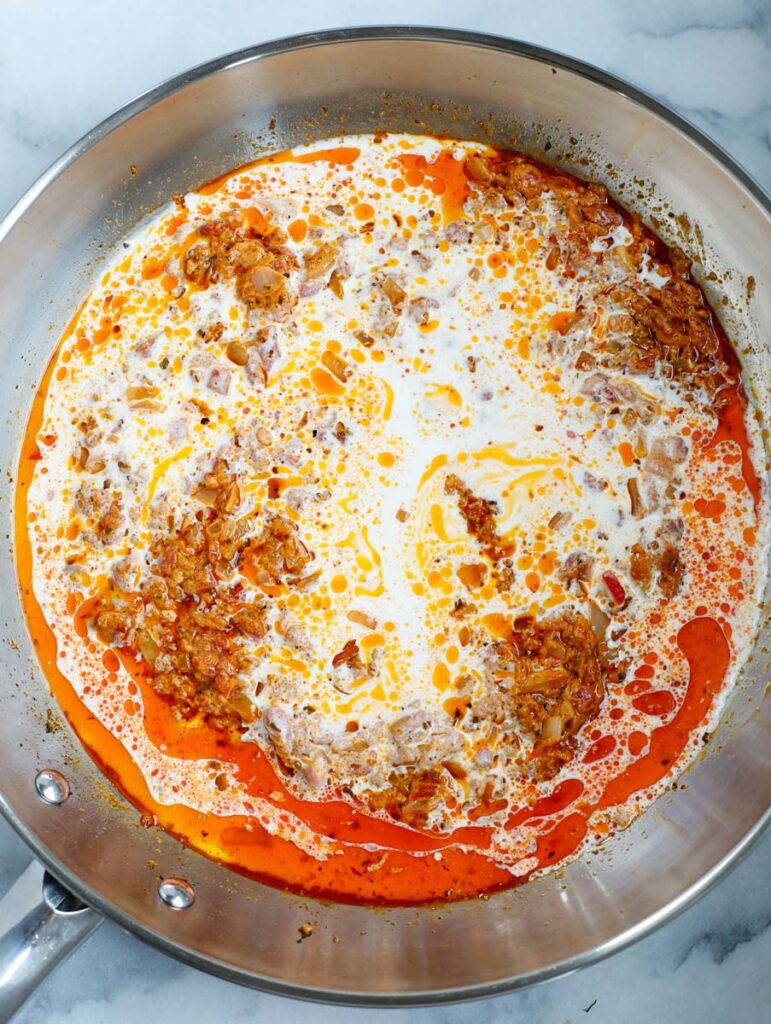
63 67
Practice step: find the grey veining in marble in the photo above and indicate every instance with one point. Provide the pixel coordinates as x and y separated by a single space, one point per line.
66 65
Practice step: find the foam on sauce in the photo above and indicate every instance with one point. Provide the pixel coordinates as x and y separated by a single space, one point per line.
467 384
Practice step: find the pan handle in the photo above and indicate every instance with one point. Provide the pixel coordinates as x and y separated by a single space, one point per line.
41 923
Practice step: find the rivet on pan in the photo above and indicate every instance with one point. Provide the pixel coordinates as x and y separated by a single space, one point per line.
52 786
176 893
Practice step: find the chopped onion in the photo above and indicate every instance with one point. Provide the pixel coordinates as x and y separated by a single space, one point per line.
551 730
476 168
598 619
362 619
336 366
267 281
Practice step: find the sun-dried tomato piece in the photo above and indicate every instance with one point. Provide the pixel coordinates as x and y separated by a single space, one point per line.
614 587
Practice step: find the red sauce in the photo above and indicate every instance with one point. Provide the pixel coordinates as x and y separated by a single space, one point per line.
657 702
731 427
415 866
338 155
444 176
600 749
706 650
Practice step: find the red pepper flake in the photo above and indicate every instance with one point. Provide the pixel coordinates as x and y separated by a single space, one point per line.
615 589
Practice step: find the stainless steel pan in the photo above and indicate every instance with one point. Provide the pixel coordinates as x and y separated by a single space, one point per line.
189 130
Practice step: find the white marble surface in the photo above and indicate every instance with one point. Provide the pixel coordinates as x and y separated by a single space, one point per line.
65 66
